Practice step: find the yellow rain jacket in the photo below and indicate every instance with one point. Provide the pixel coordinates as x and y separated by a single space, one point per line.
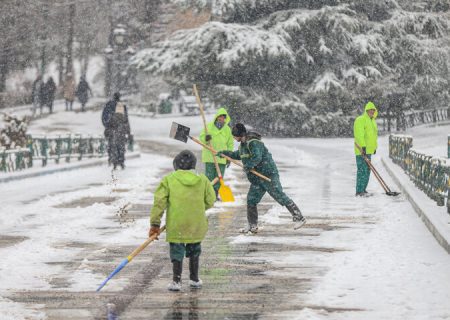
186 196
365 130
221 139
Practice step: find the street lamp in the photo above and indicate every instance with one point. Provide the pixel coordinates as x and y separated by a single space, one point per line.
117 54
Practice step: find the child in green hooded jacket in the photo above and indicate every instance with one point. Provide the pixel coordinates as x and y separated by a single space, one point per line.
185 196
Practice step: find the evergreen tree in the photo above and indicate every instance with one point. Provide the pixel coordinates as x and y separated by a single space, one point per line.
319 59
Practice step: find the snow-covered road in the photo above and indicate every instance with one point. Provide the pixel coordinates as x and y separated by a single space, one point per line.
368 258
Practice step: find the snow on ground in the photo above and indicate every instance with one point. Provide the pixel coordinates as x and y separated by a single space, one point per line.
431 139
389 265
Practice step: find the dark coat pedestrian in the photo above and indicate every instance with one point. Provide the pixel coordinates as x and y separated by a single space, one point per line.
255 155
49 93
82 92
69 91
37 94
117 130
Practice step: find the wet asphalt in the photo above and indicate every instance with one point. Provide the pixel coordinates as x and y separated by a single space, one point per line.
238 281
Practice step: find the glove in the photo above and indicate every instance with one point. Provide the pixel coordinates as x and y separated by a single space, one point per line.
247 170
375 152
228 163
219 154
363 151
153 230
208 138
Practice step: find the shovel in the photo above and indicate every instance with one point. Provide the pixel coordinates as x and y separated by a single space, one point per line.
181 133
376 174
130 257
224 191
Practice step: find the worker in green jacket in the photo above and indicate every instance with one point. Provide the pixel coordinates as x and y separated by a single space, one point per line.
185 196
366 135
255 155
219 135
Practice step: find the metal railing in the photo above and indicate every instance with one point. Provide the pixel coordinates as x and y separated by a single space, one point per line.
430 174
66 147
407 119
58 148
15 159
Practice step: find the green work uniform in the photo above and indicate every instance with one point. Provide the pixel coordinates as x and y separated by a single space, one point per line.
254 155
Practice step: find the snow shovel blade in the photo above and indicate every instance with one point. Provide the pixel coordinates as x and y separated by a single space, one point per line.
179 132
393 193
225 192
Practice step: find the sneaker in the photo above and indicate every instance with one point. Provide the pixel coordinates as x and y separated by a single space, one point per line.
174 286
249 230
196 284
299 222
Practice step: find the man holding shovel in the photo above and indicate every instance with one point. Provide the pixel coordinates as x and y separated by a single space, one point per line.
366 135
218 135
254 155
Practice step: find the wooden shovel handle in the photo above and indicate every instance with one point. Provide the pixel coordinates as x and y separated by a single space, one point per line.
372 168
145 244
256 173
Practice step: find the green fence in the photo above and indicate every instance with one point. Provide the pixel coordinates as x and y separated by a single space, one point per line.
430 174
66 147
15 159
55 148
402 120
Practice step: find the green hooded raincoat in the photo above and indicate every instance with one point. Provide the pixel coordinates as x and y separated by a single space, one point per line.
221 139
365 130
186 196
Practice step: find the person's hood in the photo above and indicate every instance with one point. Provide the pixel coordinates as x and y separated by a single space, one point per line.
186 177
220 112
371 106
252 135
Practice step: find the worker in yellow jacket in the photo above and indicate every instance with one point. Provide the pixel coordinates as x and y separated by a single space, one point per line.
366 135
220 137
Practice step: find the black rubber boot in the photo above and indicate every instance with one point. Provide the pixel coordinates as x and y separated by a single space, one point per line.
177 267
252 219
295 211
195 282
193 268
252 216
297 216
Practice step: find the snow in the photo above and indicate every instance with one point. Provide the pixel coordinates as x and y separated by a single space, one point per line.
237 43
382 261
325 82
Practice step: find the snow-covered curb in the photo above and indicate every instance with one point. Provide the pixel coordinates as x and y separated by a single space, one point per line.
435 218
35 172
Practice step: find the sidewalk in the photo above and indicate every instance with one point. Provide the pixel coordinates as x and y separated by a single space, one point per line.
435 218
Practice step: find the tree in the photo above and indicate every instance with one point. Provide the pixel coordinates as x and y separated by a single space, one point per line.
328 54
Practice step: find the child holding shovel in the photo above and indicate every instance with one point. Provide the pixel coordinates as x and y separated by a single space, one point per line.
185 196
254 155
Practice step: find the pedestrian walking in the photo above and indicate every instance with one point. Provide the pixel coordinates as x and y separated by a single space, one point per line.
37 94
220 137
185 196
49 93
83 91
117 130
365 132
255 155
69 91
